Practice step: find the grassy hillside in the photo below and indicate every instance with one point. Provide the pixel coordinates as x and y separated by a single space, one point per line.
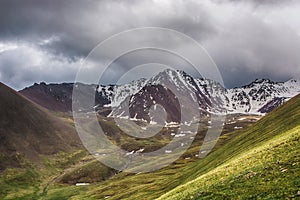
258 162
262 162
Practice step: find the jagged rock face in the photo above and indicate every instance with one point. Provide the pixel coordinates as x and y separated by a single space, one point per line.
141 103
193 94
258 96
274 103
240 100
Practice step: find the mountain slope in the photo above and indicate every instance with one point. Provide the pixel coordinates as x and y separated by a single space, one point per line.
28 131
58 97
261 96
262 162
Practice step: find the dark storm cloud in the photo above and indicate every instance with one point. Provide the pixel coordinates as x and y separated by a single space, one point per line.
248 39
80 25
35 21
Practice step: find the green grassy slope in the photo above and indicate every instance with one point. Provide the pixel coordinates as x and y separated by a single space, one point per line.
262 162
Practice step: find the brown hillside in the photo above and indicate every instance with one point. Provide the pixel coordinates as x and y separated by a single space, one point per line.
28 130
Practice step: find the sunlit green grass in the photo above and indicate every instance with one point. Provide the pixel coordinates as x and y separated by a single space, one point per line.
270 171
261 162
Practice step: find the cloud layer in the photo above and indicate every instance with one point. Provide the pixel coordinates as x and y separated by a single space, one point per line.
46 40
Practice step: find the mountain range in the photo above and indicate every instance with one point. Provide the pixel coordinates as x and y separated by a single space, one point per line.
259 97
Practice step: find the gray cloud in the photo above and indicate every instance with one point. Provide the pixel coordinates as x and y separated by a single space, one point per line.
25 65
248 39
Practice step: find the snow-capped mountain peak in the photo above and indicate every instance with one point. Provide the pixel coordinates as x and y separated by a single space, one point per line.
258 97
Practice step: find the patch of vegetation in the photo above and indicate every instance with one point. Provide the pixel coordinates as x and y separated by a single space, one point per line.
19 182
64 160
87 173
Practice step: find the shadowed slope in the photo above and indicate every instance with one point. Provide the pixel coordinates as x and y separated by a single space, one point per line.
27 130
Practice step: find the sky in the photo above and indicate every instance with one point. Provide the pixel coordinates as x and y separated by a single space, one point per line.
247 39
